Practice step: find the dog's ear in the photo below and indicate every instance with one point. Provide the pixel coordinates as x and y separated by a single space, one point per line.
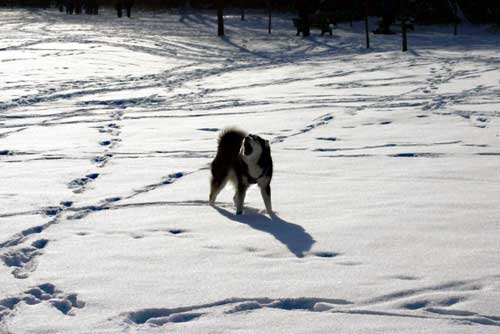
267 143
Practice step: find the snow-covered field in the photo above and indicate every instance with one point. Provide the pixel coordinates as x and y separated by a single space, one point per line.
386 186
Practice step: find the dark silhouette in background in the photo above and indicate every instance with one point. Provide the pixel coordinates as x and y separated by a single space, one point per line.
124 4
396 16
91 7
423 11
69 6
220 17
304 9
388 17
76 6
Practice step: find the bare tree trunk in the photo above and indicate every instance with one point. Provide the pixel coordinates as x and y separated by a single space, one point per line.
269 10
455 17
307 26
405 37
366 25
119 9
302 7
220 17
404 16
351 12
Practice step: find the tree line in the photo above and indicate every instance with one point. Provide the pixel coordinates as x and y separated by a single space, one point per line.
422 11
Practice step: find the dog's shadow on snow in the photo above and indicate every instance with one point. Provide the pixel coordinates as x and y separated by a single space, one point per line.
293 236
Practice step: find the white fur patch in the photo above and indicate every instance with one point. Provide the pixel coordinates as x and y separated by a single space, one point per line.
254 170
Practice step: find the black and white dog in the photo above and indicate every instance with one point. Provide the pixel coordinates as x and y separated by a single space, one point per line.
244 159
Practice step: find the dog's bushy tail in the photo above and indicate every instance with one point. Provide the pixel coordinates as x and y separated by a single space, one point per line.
230 140
231 134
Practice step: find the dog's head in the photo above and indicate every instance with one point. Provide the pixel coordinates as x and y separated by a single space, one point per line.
253 146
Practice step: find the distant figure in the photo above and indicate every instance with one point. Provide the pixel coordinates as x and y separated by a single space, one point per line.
124 3
329 10
388 18
60 5
91 7
118 7
73 6
128 5
68 4
78 6
304 9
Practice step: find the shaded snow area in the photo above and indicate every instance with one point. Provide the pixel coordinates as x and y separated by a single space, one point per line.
386 184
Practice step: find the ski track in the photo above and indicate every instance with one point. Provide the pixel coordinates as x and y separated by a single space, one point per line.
441 302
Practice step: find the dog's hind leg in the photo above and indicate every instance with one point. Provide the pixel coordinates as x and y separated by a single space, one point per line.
239 198
266 196
216 185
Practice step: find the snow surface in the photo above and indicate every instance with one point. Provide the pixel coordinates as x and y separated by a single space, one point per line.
386 183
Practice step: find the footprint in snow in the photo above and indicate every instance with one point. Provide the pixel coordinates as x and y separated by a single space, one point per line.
327 138
43 293
23 259
99 160
208 129
172 177
480 121
415 155
350 263
112 199
104 130
52 211
326 254
176 231
78 185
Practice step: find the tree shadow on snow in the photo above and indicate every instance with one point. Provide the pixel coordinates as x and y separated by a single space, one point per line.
293 236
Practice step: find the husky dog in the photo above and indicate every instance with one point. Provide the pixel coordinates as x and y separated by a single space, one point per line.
244 159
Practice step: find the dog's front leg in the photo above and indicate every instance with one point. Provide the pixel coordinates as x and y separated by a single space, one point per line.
239 198
265 191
